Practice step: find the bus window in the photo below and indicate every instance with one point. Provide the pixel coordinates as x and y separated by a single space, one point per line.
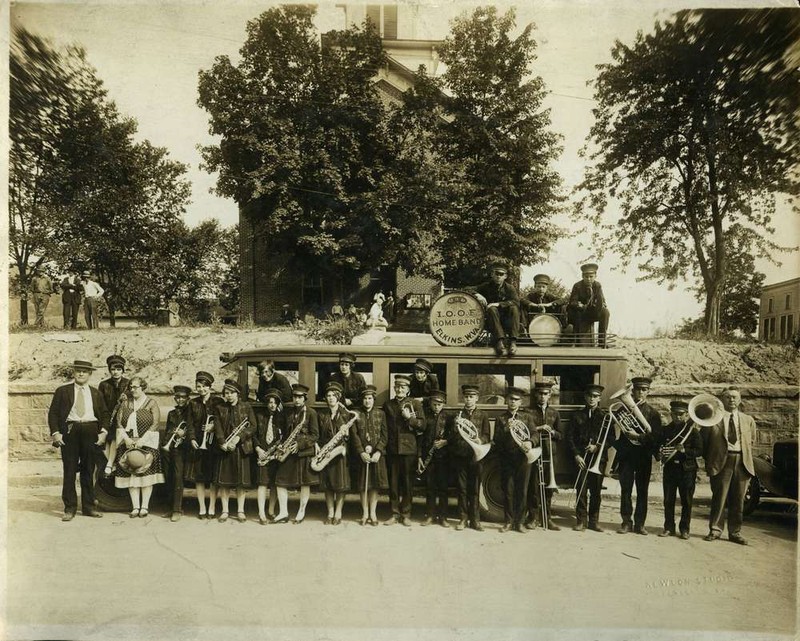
323 371
493 380
439 371
570 382
290 369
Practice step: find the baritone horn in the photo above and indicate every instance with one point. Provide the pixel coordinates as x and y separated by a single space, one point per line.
705 410
626 413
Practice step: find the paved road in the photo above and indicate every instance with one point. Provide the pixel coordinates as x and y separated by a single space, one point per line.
149 578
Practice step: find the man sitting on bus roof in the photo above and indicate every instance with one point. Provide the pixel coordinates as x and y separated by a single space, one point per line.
502 310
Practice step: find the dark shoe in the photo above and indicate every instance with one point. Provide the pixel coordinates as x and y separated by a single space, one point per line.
297 521
552 526
68 516
595 528
93 514
624 529
134 513
641 529
241 517
328 520
737 538
262 520
281 520
711 536
405 520
336 521
512 347
580 527
477 526
443 522
500 348
176 516
529 525
202 517
461 525
506 527
667 533
374 522
685 536
392 520
143 513
427 521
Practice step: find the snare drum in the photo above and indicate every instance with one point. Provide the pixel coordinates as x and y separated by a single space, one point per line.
544 330
457 319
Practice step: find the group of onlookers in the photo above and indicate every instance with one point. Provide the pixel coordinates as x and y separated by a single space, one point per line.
76 288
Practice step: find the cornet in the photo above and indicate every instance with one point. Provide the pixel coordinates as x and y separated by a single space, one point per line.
241 427
208 436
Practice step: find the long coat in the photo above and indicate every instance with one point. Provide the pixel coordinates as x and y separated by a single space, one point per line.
296 470
583 430
233 467
402 432
370 429
458 447
60 406
335 476
504 442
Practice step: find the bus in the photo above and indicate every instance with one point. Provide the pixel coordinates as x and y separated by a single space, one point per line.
569 368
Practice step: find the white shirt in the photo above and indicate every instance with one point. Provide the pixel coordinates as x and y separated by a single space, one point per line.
88 414
726 417
92 289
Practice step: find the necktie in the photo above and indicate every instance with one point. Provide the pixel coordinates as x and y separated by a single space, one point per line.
80 402
732 438
270 432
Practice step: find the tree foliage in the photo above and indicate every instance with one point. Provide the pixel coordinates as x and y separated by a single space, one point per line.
696 132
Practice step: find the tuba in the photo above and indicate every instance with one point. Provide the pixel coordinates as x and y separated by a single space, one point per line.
705 410
626 413
520 433
469 433
335 446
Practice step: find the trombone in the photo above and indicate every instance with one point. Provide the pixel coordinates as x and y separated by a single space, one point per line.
593 466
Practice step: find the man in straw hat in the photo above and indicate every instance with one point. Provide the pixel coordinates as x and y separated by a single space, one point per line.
78 421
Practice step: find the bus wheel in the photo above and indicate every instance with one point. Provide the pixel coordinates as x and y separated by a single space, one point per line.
752 496
491 492
110 498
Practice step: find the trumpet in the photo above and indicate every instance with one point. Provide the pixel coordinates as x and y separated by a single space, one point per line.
208 435
335 446
241 427
175 440
469 433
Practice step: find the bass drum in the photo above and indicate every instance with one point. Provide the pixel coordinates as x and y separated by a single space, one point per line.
457 318
544 330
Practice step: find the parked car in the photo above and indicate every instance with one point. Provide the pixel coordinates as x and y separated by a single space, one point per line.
776 475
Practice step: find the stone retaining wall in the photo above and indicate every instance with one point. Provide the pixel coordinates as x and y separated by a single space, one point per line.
774 407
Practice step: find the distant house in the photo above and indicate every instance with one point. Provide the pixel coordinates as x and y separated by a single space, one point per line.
267 282
779 313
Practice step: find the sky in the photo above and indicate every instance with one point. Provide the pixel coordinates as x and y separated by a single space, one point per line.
149 55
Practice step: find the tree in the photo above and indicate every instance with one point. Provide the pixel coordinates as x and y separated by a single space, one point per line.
50 91
302 143
494 136
696 131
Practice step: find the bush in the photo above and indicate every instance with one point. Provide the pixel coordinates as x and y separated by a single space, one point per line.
17 370
335 332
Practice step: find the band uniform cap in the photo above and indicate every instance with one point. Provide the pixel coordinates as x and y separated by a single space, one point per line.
83 365
470 389
641 382
273 393
424 365
679 406
403 379
499 266
515 392
136 460
590 389
333 386
299 388
181 390
369 390
543 385
438 395
347 357
115 359
541 278
232 385
204 377
588 268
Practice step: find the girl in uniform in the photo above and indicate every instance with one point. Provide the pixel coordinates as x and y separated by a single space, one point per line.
269 433
369 437
334 478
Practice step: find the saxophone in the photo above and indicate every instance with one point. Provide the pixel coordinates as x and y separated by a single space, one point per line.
281 451
335 446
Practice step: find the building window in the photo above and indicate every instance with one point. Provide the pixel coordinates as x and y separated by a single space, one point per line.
384 17
783 327
770 331
770 306
788 301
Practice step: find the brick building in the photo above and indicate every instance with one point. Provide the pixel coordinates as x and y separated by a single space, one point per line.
779 312
267 281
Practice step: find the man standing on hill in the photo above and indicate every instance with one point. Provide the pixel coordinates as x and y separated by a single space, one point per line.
92 293
71 299
42 289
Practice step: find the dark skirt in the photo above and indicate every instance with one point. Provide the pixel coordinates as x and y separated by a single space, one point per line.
296 471
233 469
266 474
199 466
335 476
378 476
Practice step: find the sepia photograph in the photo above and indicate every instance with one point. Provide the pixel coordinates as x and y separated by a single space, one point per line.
414 320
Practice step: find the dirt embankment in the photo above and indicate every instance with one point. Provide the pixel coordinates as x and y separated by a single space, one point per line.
166 356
